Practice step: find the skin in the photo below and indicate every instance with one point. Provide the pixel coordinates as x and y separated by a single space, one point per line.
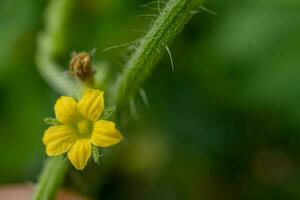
24 192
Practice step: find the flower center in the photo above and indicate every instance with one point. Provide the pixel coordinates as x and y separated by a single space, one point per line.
85 127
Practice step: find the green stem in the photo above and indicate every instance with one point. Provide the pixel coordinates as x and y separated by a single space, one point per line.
51 178
151 48
51 43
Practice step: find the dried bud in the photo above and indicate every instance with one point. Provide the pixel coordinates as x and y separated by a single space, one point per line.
80 66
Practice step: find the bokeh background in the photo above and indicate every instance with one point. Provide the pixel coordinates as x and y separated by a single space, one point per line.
224 125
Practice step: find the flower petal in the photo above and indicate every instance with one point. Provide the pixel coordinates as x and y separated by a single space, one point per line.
58 139
91 104
80 153
105 134
66 110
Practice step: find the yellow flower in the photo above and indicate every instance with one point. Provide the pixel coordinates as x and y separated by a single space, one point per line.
80 128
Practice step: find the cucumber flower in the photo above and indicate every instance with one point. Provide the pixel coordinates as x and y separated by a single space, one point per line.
80 128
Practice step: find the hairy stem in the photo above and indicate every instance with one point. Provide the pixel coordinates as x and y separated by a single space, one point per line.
51 178
151 48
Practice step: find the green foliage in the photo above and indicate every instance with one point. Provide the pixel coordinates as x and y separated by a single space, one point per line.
147 54
223 125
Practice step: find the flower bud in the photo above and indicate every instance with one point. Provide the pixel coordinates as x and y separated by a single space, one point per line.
81 67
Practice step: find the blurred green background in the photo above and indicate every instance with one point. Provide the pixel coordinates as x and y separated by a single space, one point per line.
224 125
